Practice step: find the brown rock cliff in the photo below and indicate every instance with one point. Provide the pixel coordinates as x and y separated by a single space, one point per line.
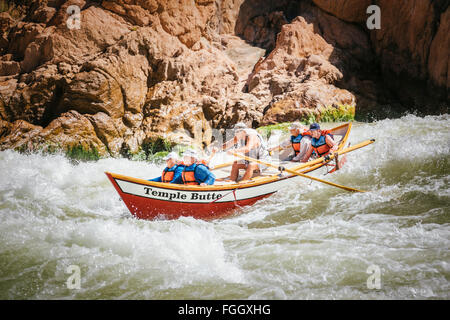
137 70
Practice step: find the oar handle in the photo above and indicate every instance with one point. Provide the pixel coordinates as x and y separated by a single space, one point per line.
223 165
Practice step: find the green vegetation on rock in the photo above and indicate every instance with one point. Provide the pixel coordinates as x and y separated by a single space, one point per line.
74 152
266 131
153 151
341 113
80 153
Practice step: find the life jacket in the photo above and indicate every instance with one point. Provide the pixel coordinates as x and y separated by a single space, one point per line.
296 140
168 173
320 145
188 175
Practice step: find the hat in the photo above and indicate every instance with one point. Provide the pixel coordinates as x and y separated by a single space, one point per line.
172 155
295 125
240 126
314 126
190 153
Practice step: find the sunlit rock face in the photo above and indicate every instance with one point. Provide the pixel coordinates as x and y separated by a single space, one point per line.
112 75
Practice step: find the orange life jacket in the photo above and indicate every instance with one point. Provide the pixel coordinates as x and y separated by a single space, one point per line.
188 176
320 145
295 141
168 173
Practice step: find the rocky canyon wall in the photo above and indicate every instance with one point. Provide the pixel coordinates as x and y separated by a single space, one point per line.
138 70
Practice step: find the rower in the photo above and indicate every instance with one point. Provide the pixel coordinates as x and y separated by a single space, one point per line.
195 172
172 172
250 143
322 142
300 141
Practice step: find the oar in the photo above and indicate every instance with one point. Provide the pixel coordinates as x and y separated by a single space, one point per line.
296 173
313 162
222 165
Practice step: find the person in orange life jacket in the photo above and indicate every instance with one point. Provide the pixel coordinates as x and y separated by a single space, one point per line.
195 172
322 142
300 141
171 173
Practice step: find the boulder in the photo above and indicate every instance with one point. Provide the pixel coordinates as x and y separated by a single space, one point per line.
297 74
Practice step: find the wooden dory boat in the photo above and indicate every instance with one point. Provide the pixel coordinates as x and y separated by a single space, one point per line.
150 200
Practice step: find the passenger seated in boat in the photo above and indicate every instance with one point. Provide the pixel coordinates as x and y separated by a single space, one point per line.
322 142
300 141
250 143
171 173
195 172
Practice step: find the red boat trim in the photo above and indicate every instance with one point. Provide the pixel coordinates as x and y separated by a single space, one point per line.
206 203
195 210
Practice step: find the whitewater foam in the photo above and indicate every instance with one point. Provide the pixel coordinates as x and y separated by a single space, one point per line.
311 241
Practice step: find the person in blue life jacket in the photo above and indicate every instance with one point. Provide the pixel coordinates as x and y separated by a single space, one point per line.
172 172
299 141
322 142
195 172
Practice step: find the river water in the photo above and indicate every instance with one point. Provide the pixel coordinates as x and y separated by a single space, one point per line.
310 241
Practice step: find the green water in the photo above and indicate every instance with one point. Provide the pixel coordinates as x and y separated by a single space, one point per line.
310 241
